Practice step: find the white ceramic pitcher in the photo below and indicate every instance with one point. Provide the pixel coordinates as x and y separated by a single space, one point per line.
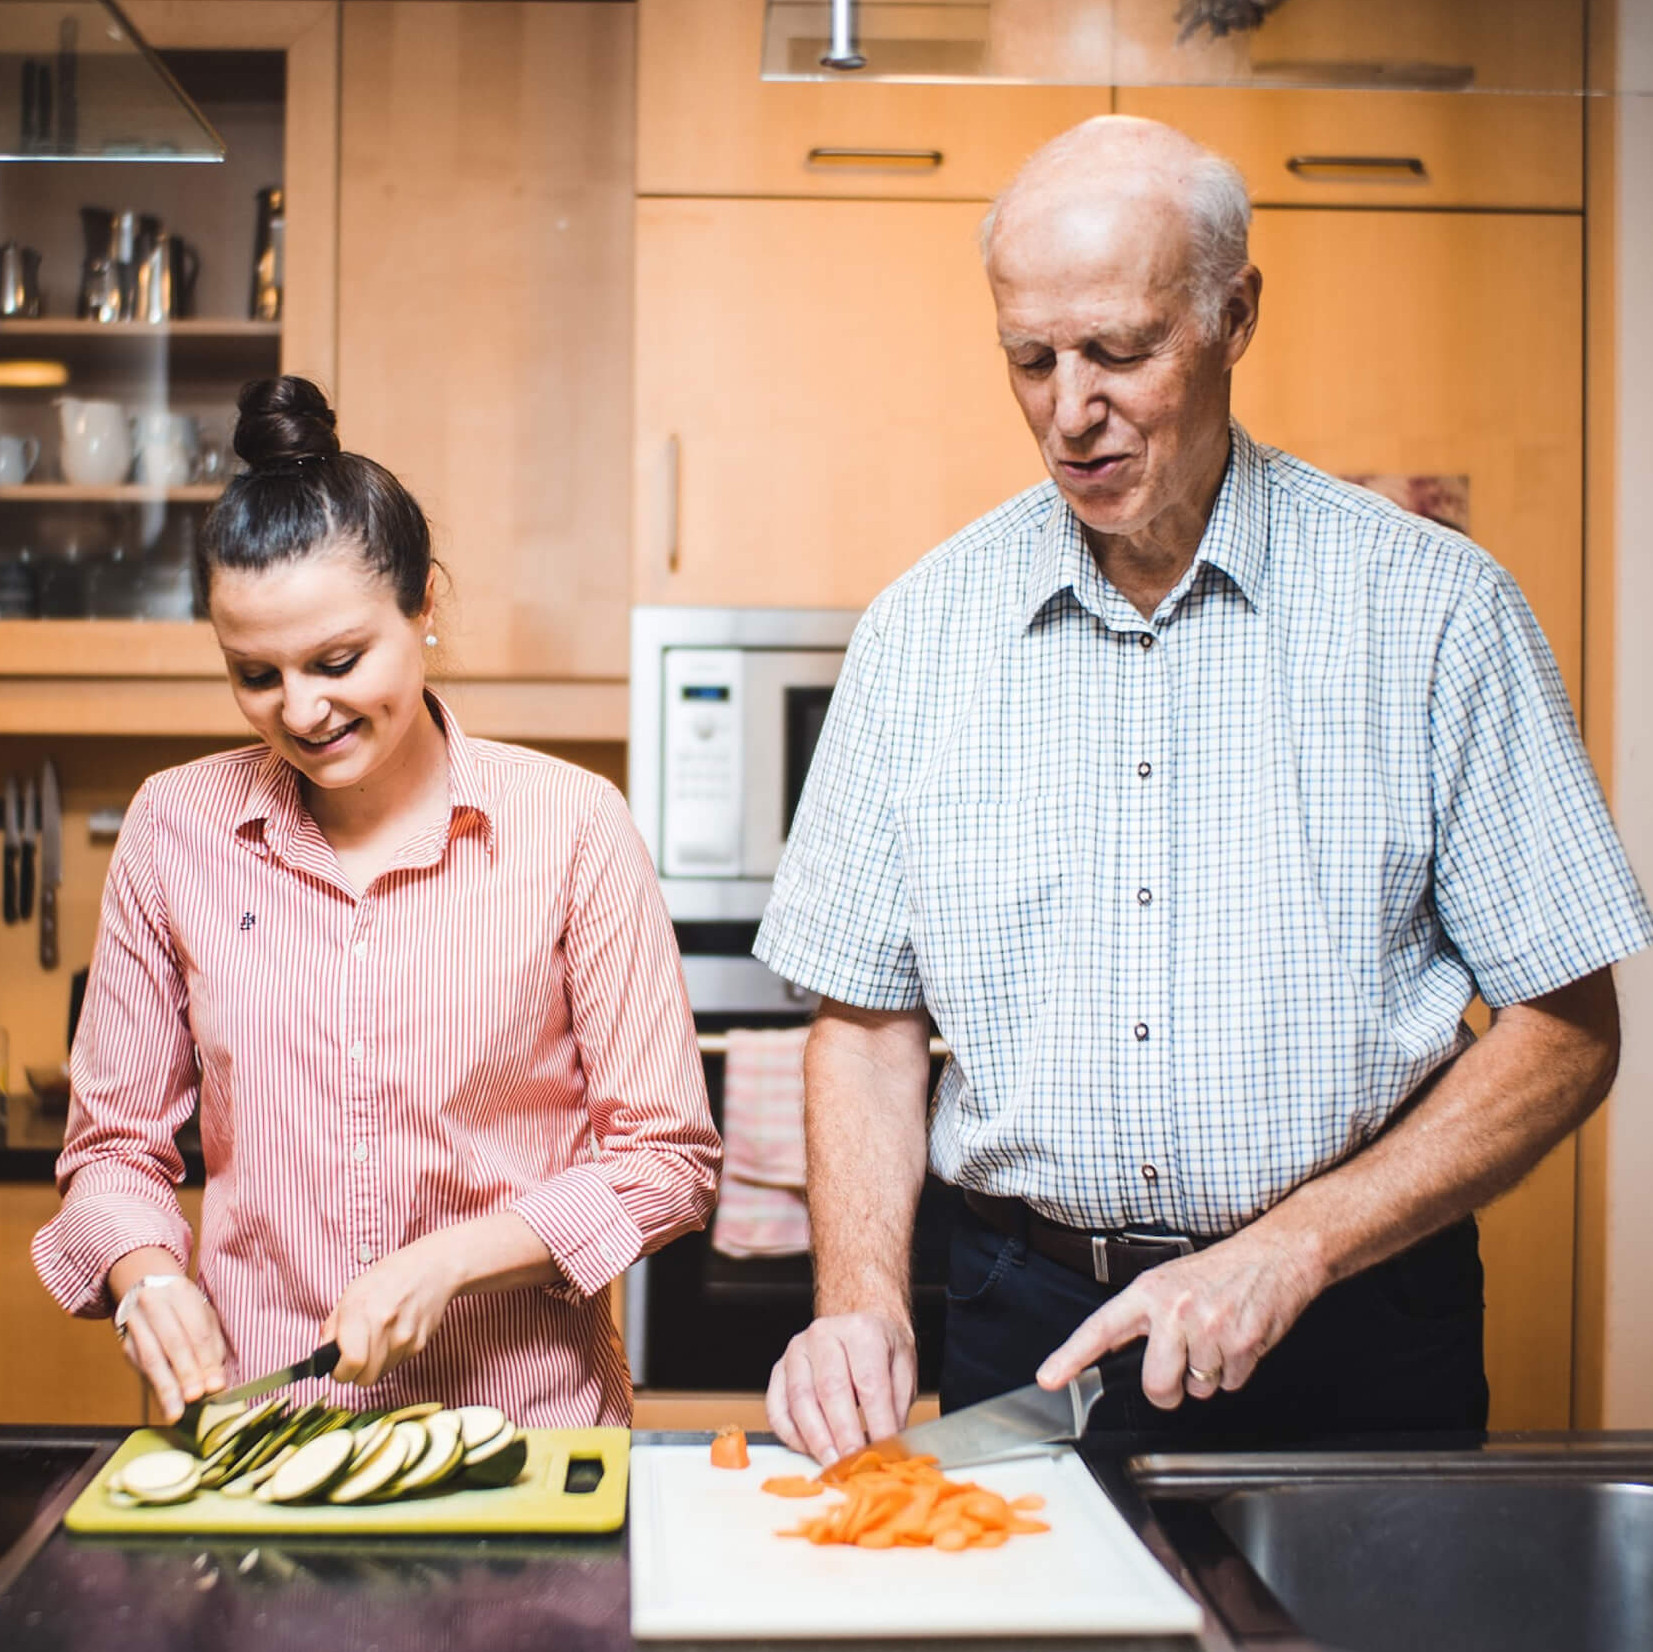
97 442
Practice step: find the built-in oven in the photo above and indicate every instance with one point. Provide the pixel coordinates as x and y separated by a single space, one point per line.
726 708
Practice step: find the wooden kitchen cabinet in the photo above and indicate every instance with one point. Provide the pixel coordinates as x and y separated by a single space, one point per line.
707 124
485 315
820 397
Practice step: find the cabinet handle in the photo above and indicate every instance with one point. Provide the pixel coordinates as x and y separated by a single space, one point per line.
898 159
718 1044
843 52
1375 169
673 511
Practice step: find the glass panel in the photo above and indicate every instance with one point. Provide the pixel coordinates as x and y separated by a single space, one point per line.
78 83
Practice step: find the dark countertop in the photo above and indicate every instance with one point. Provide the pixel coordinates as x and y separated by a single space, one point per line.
31 1137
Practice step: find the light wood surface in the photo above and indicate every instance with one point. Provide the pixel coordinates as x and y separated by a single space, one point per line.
1476 151
708 125
831 373
484 311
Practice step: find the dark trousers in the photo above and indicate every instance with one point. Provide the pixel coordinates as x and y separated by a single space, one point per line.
1394 1349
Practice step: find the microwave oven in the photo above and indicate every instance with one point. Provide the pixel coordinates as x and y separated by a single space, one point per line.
726 707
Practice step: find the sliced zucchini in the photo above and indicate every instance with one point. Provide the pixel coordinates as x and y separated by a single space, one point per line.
212 1414
255 1417
372 1475
493 1443
443 1455
368 1441
160 1477
415 1413
313 1469
502 1467
480 1423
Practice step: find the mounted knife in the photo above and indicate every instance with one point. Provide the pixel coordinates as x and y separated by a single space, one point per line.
31 830
14 848
51 862
319 1364
1016 1424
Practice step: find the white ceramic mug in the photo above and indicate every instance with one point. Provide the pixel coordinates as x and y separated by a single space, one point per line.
17 457
168 447
97 442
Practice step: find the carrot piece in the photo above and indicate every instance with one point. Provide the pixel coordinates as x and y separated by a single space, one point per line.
729 1447
1030 1504
793 1485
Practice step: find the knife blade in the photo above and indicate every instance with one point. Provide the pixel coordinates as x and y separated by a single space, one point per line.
1014 1424
14 847
51 862
318 1364
31 830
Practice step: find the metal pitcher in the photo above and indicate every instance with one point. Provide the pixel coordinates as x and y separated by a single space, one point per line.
166 279
19 280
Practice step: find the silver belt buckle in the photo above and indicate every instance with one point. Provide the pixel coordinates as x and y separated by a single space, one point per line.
1180 1242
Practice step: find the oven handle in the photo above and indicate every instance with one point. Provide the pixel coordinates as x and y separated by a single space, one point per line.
718 1044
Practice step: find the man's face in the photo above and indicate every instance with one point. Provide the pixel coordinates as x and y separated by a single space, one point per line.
1125 394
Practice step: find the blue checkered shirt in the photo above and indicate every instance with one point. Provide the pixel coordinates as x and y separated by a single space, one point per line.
1196 901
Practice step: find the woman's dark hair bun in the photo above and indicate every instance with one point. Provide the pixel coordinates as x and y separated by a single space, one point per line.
283 422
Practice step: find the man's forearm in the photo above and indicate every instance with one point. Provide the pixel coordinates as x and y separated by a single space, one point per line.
865 1080
1537 1074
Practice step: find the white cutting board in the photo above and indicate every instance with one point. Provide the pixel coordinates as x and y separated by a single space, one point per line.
706 1563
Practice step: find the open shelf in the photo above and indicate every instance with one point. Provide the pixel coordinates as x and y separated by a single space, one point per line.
209 345
120 493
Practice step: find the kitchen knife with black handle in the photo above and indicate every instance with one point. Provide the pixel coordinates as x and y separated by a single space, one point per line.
318 1364
51 863
14 848
25 870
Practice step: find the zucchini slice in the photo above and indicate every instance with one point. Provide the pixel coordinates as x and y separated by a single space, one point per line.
161 1477
480 1423
501 1467
442 1456
235 1427
372 1475
313 1469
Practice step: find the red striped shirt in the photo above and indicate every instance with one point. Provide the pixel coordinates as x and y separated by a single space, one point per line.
498 1023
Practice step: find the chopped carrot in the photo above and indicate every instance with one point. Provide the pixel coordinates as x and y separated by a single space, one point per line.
793 1485
729 1448
907 1503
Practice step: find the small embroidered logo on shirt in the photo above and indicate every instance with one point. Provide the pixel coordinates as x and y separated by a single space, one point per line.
248 919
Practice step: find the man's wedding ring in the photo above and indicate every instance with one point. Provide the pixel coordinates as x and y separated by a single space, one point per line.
1195 1374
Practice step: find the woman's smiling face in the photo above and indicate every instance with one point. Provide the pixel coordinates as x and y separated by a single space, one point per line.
324 664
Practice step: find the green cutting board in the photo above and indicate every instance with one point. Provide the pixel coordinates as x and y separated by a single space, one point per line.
538 1502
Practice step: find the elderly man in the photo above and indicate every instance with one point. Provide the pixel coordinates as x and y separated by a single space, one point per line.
1194 794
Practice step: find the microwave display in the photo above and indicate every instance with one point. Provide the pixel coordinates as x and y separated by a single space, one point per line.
806 710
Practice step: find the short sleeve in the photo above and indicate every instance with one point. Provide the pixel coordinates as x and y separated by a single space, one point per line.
837 921
1532 885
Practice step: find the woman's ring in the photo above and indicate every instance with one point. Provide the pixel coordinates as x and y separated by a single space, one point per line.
1195 1374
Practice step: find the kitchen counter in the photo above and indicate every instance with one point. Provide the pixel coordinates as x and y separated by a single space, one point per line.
60 1593
31 1137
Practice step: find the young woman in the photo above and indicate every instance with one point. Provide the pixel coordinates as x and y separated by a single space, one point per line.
423 986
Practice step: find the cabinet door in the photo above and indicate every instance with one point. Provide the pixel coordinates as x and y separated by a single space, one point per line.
828 377
707 124
1452 344
484 311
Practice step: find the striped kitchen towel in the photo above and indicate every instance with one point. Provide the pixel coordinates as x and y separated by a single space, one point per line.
761 1209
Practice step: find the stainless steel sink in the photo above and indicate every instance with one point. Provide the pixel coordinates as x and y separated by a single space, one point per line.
1530 1550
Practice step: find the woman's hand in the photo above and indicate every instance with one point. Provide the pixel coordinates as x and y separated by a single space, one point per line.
390 1312
171 1336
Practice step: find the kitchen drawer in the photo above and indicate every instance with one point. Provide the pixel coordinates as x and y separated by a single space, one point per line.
1396 149
708 125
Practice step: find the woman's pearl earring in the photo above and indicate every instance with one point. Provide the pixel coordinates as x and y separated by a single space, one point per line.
430 639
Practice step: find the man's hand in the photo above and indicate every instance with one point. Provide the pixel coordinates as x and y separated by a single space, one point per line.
1209 1318
839 1371
389 1313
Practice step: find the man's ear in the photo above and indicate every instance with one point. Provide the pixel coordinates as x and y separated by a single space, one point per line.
1240 308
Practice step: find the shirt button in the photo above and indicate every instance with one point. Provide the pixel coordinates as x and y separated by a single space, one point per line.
357 1050
1144 897
360 949
364 1253
1146 639
1141 1030
359 1151
1144 769
1150 1173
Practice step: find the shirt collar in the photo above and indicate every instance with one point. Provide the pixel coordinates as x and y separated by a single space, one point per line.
1235 541
274 809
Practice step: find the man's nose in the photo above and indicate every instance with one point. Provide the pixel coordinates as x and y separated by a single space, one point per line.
1080 403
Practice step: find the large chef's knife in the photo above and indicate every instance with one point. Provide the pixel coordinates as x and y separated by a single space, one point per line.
1012 1425
51 863
318 1364
14 848
31 830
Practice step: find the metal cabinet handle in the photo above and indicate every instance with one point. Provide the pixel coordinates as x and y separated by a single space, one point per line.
1377 169
913 159
673 501
843 52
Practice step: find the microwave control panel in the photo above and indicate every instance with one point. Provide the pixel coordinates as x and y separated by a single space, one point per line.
701 782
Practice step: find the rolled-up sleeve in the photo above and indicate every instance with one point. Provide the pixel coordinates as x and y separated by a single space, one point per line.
655 1154
837 921
1531 883
133 1084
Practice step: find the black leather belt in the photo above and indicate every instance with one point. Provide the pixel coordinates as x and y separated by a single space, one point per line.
1112 1258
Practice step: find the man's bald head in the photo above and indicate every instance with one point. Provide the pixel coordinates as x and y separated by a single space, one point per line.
1119 162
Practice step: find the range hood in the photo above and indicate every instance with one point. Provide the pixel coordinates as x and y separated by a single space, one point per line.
78 83
1432 45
